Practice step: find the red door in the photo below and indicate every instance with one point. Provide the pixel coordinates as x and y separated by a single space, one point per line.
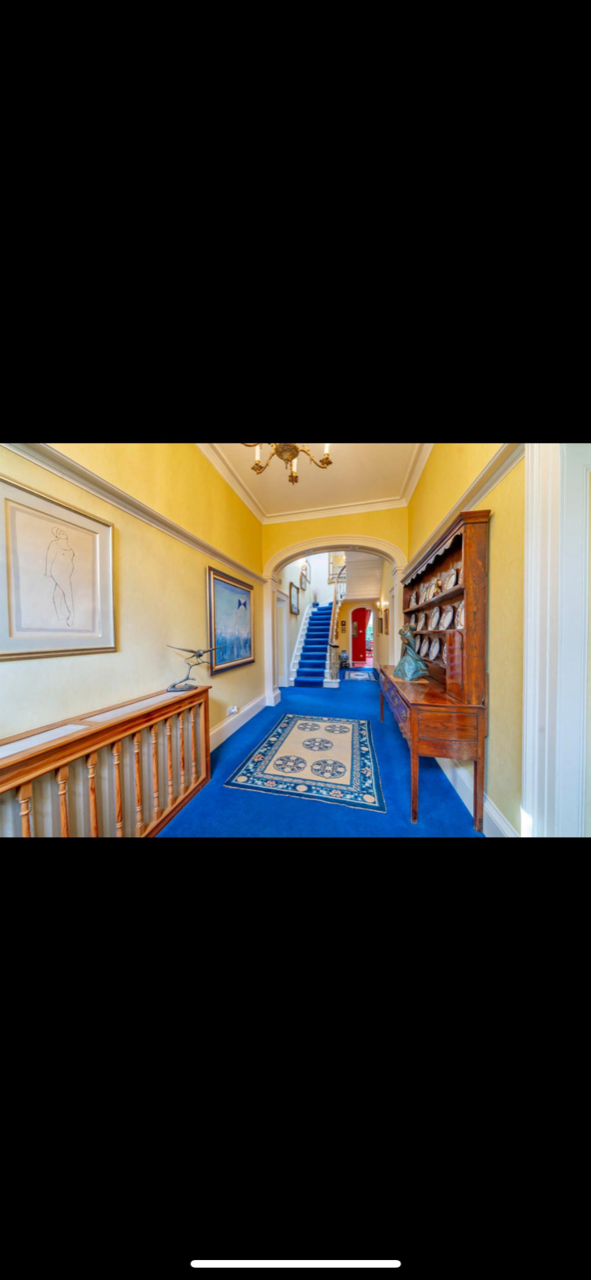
359 621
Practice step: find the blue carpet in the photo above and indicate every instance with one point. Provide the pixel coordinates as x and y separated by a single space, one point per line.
221 813
312 668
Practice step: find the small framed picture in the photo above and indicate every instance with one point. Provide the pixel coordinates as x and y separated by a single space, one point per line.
387 621
303 581
380 626
307 569
294 599
344 625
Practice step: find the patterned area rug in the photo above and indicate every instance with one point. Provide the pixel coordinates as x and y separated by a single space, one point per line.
360 675
316 758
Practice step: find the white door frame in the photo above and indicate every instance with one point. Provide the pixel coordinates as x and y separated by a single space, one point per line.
369 609
283 603
556 639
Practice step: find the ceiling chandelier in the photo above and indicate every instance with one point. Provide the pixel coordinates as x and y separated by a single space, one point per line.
289 454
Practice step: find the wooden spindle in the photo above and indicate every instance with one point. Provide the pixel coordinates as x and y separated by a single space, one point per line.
24 797
91 766
182 747
202 741
116 749
171 795
157 813
193 750
62 776
139 807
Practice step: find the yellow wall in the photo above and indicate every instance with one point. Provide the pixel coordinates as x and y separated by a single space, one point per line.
446 477
390 525
178 481
160 599
451 469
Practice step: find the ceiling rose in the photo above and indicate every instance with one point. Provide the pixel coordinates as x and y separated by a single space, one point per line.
289 454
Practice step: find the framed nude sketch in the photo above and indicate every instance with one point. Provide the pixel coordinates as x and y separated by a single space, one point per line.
56 578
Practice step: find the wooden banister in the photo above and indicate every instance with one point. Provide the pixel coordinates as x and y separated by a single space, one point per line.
56 747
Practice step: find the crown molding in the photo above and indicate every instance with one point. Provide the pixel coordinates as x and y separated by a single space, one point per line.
59 465
415 470
325 513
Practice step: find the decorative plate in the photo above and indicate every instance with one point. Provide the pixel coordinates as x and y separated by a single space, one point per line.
447 618
421 622
444 653
432 591
414 600
461 617
451 580
425 648
424 593
434 617
413 621
419 642
461 581
434 650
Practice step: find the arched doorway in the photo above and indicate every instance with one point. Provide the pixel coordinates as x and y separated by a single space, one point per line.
361 635
389 552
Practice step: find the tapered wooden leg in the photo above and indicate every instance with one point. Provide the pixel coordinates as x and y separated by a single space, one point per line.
182 750
414 768
171 795
202 741
24 796
478 795
62 776
116 749
139 807
91 766
193 750
157 811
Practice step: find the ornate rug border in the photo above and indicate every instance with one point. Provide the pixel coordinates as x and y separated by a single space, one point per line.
230 785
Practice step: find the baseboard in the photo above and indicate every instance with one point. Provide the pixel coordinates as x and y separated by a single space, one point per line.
496 825
221 732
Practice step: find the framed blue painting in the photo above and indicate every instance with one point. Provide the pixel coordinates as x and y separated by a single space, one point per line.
231 622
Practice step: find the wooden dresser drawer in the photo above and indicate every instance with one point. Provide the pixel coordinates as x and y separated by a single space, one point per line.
459 726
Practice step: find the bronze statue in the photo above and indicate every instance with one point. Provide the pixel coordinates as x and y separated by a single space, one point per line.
410 667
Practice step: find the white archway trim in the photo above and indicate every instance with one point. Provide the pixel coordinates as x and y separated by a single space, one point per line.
556 639
315 546
338 542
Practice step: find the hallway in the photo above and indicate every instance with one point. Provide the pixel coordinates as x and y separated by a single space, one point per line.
221 812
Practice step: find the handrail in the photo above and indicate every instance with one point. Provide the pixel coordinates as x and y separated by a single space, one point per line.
82 737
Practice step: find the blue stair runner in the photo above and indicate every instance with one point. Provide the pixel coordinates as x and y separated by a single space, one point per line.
312 668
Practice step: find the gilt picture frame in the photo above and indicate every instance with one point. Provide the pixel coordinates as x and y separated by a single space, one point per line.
56 577
231 622
294 599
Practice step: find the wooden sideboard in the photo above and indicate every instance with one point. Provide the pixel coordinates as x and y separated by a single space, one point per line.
446 714
52 751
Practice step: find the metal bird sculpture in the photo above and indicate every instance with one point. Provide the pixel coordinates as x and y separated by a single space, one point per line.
198 655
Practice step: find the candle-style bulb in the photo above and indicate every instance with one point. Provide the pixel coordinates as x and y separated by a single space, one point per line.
326 450
258 453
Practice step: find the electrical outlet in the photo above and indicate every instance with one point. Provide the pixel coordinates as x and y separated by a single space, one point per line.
232 711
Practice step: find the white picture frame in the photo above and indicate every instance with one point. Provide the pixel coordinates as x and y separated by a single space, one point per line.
56 578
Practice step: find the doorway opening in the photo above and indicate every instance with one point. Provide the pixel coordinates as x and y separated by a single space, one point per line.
362 638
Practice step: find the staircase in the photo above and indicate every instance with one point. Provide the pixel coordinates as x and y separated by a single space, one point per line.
312 666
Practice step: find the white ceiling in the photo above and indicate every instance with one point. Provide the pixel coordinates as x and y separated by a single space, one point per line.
363 477
364 576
